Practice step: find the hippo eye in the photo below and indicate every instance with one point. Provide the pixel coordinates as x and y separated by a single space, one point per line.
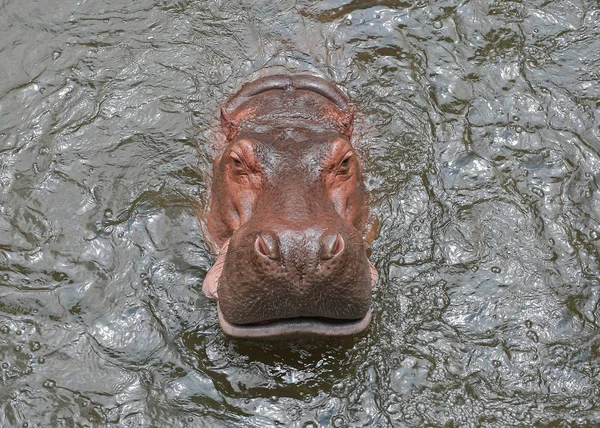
344 166
236 161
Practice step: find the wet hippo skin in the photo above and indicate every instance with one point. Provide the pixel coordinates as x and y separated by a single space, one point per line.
288 212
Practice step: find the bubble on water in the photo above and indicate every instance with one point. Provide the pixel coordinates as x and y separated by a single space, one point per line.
34 346
437 25
532 335
41 360
537 191
528 324
50 384
496 269
338 421
5 277
594 234
56 55
108 213
59 276
5 329
310 424
496 363
145 282
338 389
5 365
294 412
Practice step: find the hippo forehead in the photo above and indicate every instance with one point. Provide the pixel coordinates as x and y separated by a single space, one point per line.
287 104
291 148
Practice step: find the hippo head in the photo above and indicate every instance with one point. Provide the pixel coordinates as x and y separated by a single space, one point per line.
289 211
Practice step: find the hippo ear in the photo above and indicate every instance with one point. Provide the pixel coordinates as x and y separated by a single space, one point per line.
228 125
347 120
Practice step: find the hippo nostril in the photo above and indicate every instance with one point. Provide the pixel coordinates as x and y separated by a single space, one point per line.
331 245
267 245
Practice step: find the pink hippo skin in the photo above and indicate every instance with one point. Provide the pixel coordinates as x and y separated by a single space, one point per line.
288 210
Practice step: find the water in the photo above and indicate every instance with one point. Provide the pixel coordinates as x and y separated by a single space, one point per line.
481 138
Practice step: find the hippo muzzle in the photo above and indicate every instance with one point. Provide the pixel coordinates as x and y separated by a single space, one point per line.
288 210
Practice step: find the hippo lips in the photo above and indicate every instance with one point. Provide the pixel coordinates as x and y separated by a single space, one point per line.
295 327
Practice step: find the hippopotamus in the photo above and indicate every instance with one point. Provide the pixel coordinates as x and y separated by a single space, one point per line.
288 214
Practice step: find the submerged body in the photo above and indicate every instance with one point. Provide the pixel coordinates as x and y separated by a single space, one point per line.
288 210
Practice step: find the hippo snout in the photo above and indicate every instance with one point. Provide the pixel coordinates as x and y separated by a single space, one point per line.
272 276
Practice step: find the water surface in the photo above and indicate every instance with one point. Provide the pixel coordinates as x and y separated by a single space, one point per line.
481 137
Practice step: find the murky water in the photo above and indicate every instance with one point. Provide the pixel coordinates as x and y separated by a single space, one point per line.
481 136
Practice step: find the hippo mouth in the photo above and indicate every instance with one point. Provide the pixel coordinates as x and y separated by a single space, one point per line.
304 326
295 327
